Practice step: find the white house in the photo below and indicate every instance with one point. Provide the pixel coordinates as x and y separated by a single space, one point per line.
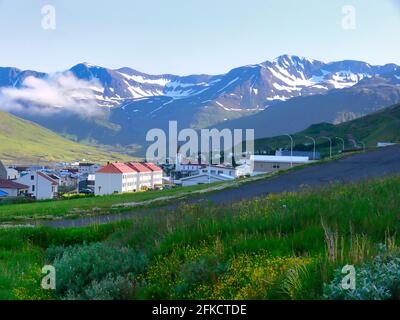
127 177
12 174
9 188
156 174
267 164
115 178
144 176
220 170
385 144
88 168
204 178
41 186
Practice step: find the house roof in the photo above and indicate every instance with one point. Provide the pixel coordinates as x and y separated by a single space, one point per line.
152 166
280 159
45 176
54 177
217 177
221 166
138 167
86 164
9 184
192 163
116 168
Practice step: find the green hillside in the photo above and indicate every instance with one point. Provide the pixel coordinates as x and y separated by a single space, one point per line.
22 141
382 126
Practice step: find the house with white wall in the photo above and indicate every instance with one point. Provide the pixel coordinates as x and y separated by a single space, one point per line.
269 164
127 177
204 178
156 174
41 186
9 188
12 174
144 176
88 168
115 178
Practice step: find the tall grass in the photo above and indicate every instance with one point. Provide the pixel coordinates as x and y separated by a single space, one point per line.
278 247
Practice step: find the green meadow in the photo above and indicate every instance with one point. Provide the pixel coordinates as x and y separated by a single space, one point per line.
22 141
76 207
287 246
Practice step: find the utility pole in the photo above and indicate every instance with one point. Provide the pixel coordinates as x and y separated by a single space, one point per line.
315 146
291 149
209 165
330 149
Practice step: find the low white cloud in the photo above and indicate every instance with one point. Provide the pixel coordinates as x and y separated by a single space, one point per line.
52 94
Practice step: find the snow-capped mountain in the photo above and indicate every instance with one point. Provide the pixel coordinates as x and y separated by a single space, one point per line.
137 102
251 87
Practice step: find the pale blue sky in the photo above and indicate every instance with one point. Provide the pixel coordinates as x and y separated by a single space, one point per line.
192 36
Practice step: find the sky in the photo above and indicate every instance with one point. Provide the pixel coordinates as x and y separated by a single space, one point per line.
190 36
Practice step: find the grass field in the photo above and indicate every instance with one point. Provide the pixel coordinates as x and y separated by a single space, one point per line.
280 247
92 205
22 142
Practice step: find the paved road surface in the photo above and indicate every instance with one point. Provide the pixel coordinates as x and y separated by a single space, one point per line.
372 164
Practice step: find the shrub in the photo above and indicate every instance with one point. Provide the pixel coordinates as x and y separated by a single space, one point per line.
205 269
16 200
377 280
54 252
92 267
109 288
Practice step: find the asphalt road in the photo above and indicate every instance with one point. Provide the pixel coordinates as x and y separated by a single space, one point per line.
372 164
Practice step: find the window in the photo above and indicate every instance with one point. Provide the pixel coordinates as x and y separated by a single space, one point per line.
32 177
33 188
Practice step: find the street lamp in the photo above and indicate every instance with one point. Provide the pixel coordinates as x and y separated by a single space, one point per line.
314 154
341 139
354 142
330 149
291 149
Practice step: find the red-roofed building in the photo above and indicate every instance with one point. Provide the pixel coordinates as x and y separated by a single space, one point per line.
157 174
126 177
116 168
139 167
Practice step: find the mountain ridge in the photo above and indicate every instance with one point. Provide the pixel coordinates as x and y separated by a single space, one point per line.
135 102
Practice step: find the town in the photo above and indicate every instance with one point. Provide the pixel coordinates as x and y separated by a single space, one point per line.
48 182
36 182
